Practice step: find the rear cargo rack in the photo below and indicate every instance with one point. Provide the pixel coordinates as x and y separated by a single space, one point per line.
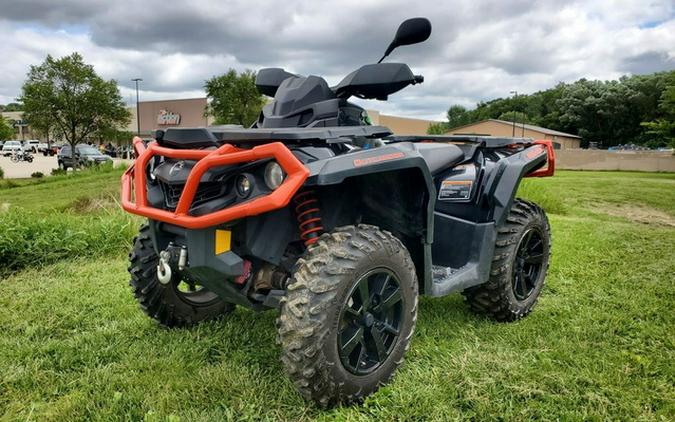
492 142
488 141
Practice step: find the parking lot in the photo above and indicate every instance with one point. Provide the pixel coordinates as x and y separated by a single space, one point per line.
40 163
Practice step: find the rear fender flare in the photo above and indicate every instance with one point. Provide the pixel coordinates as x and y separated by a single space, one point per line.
503 182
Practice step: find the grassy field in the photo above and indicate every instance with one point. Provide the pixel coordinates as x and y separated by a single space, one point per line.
600 345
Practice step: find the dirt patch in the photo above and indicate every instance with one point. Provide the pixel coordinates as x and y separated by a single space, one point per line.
644 215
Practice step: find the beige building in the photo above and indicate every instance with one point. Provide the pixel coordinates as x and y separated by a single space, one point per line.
494 127
22 130
169 113
400 125
190 113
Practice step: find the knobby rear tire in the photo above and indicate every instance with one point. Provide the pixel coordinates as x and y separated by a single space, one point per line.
497 298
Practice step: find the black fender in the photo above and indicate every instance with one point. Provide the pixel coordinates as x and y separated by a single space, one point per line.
502 183
396 157
388 158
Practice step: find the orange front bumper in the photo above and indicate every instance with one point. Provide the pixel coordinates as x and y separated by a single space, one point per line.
134 195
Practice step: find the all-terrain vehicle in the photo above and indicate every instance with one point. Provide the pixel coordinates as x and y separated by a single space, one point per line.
336 222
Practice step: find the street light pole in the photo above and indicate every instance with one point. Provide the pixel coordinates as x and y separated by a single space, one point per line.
513 132
138 114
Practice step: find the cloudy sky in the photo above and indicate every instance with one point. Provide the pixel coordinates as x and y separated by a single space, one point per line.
478 49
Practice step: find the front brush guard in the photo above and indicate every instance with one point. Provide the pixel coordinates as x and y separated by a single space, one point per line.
134 195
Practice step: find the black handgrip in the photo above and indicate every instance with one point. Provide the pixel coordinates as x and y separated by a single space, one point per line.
418 79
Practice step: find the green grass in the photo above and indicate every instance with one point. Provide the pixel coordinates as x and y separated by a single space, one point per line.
78 214
600 345
58 192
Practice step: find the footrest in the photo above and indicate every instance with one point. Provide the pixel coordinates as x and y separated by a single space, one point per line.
443 274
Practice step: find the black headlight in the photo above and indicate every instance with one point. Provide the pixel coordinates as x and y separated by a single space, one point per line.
274 175
244 185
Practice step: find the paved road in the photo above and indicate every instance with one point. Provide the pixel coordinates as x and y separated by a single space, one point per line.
24 169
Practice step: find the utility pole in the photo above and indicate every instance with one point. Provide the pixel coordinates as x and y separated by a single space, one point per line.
138 114
513 132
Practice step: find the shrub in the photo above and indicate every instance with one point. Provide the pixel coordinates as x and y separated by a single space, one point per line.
30 239
8 184
37 174
58 172
2 173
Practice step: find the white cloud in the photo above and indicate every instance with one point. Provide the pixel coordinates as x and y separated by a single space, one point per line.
478 50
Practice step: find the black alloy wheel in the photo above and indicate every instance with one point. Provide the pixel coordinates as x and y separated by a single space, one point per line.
348 315
370 321
528 264
191 292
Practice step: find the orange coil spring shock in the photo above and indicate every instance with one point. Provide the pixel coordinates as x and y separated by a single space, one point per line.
309 219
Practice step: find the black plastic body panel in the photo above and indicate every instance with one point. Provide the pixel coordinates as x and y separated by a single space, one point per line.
215 272
268 80
503 182
465 246
375 81
266 236
188 138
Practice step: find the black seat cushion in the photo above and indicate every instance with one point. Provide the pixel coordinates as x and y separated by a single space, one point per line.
440 156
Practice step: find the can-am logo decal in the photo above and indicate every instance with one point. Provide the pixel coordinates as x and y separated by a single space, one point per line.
166 117
377 159
176 168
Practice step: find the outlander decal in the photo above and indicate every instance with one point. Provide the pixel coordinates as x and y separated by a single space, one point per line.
359 162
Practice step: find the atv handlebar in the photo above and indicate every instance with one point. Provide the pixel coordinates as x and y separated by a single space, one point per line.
134 182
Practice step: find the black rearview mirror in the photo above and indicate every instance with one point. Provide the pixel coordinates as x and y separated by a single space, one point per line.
411 31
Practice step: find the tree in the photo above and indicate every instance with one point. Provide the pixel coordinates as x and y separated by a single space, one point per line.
234 98
514 116
113 135
67 97
438 128
6 130
662 129
11 107
458 115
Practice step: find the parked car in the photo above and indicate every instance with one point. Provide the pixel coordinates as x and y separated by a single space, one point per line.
85 155
11 147
42 147
48 149
31 145
52 150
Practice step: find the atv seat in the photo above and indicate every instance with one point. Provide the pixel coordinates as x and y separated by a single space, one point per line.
439 156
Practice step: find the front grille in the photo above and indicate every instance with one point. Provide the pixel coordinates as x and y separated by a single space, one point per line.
205 192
